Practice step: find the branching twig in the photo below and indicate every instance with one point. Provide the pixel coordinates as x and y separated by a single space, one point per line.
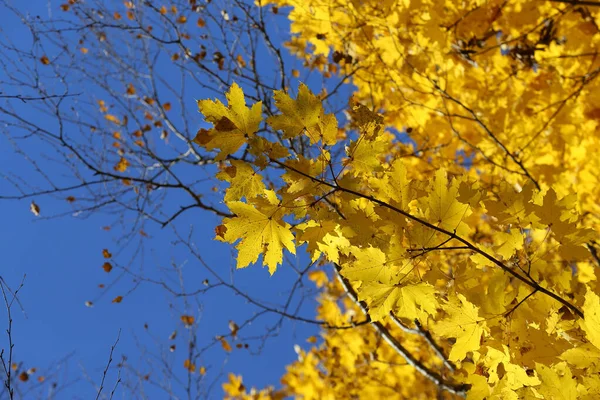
110 358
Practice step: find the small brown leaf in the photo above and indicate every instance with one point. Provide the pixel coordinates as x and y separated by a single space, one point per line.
118 299
107 267
113 119
187 320
35 209
45 60
187 364
226 346
233 327
23 376
106 253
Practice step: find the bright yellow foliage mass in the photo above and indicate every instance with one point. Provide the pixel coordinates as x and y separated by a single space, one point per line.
460 208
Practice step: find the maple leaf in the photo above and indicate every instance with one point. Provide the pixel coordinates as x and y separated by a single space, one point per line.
555 213
319 277
305 114
582 356
232 124
365 119
508 243
261 232
396 184
409 301
591 321
364 155
371 264
443 208
464 324
244 181
234 388
294 174
557 382
313 234
513 375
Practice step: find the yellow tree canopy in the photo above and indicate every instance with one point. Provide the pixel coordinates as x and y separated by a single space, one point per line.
458 200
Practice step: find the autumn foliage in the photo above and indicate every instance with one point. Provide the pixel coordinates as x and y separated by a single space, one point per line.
450 207
457 201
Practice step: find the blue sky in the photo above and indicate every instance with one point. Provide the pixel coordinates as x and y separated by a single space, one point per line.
62 260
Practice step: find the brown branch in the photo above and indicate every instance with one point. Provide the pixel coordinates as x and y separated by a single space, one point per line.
110 358
425 334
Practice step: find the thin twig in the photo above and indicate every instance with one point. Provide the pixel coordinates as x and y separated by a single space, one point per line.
110 358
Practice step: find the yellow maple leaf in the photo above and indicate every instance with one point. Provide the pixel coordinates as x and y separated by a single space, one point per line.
582 356
371 264
245 182
364 154
508 243
464 324
304 114
261 232
557 382
313 234
233 125
443 208
234 388
299 172
591 321
396 184
408 301
555 213
515 376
